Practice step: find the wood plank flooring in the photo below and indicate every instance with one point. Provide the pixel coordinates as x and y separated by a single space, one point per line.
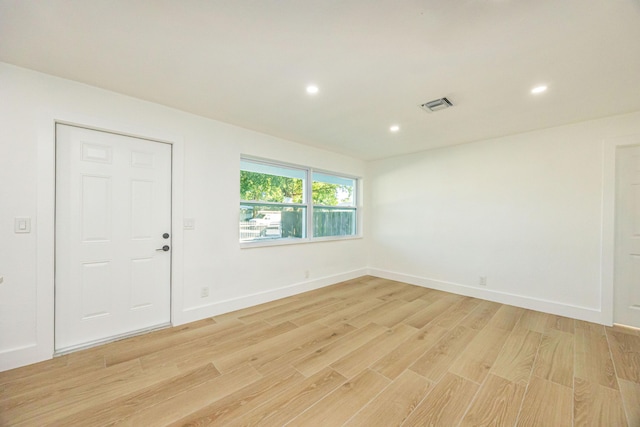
367 352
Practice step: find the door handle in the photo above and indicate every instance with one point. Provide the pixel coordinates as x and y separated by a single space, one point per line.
165 248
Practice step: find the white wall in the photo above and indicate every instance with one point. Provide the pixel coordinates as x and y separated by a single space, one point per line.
209 153
524 210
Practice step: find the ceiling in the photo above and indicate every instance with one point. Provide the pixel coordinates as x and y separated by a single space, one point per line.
248 63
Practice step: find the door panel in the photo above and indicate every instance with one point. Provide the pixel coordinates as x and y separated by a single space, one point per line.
95 202
141 209
634 289
634 194
96 298
627 267
141 283
113 204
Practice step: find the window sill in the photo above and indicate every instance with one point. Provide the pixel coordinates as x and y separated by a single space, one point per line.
287 242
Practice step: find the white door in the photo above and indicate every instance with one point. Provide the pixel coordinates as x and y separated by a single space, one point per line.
113 213
627 266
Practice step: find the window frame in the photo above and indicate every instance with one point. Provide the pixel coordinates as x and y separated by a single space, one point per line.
308 205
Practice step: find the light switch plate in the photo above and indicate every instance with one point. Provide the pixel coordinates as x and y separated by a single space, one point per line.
22 225
189 224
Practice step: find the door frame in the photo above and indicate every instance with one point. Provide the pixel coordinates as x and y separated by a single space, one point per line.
608 247
45 217
127 141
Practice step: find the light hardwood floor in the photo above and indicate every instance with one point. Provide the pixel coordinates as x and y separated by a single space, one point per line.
368 352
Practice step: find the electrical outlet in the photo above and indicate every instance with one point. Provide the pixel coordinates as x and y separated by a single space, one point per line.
204 292
482 281
306 274
22 225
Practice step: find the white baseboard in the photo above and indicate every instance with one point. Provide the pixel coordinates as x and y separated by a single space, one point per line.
546 306
233 304
14 358
17 357
21 356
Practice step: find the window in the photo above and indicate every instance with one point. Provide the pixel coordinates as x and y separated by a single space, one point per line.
283 202
272 201
334 207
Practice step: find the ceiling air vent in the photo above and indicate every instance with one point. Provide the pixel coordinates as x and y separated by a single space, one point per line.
436 105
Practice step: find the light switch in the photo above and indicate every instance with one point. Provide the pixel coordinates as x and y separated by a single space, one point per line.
189 224
22 225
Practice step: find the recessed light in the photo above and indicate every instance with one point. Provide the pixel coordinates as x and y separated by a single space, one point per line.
538 89
394 128
312 89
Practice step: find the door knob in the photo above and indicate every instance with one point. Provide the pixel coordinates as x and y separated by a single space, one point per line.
165 236
164 248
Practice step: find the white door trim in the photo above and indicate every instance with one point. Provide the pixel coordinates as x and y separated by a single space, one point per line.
609 221
43 349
